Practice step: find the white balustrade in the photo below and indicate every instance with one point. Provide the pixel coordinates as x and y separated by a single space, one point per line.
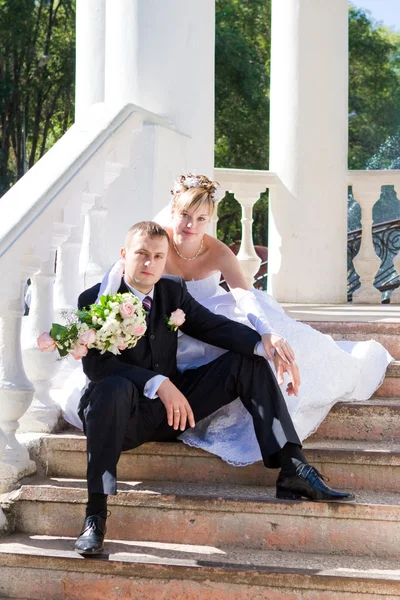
246 187
366 262
16 391
94 259
68 283
212 230
366 191
43 413
38 215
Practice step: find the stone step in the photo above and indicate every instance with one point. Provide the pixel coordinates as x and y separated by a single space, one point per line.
391 384
46 568
348 464
387 334
245 517
377 419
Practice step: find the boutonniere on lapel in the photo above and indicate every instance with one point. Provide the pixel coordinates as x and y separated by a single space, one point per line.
175 320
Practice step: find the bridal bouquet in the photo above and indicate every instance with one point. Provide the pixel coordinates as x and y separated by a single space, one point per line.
116 323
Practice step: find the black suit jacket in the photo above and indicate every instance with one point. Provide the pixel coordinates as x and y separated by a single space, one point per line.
155 352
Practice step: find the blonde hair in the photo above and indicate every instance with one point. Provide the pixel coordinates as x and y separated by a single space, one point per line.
194 191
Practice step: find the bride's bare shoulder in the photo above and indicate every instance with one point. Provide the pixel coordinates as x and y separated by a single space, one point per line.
218 247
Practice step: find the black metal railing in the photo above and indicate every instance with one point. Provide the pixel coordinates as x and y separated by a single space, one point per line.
386 240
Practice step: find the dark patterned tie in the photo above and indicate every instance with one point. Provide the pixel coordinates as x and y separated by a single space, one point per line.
147 302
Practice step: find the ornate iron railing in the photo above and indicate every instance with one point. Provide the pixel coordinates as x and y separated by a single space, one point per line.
386 239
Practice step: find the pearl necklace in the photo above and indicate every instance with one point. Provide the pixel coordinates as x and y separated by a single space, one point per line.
184 257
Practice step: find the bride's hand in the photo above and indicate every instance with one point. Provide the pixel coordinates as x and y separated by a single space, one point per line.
282 367
271 341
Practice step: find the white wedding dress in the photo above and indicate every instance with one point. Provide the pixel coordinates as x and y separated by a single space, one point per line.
330 371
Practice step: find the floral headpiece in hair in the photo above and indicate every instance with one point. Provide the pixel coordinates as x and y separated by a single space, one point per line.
185 182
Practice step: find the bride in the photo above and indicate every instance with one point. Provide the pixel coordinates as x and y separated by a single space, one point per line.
330 371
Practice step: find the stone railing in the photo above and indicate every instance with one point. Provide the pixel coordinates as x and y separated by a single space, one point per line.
246 186
366 187
54 231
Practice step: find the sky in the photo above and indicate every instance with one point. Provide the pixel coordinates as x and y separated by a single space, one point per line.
387 11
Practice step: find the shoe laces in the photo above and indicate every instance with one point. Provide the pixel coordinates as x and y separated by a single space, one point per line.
311 473
92 525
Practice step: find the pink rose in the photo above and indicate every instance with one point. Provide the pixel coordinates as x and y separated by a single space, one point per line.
139 330
126 310
78 351
122 346
46 343
87 337
177 318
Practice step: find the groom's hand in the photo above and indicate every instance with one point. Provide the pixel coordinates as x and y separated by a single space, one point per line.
282 367
274 343
177 407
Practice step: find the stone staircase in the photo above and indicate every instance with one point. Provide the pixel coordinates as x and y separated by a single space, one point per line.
191 527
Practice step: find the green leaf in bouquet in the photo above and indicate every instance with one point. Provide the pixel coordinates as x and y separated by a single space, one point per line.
58 332
73 332
62 352
84 316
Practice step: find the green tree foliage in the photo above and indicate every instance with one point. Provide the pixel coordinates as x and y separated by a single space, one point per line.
37 62
388 155
374 87
242 63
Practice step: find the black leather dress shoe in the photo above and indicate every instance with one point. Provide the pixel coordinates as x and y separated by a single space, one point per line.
91 538
307 482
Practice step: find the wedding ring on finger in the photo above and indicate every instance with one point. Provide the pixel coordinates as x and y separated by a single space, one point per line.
176 410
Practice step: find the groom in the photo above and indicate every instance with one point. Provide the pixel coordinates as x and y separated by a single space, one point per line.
139 396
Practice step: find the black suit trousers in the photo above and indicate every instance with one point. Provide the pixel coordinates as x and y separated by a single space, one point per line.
117 418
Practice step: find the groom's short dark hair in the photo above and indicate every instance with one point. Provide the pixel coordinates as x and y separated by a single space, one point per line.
149 228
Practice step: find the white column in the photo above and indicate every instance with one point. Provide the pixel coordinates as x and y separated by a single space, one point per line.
308 151
173 73
122 55
90 52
